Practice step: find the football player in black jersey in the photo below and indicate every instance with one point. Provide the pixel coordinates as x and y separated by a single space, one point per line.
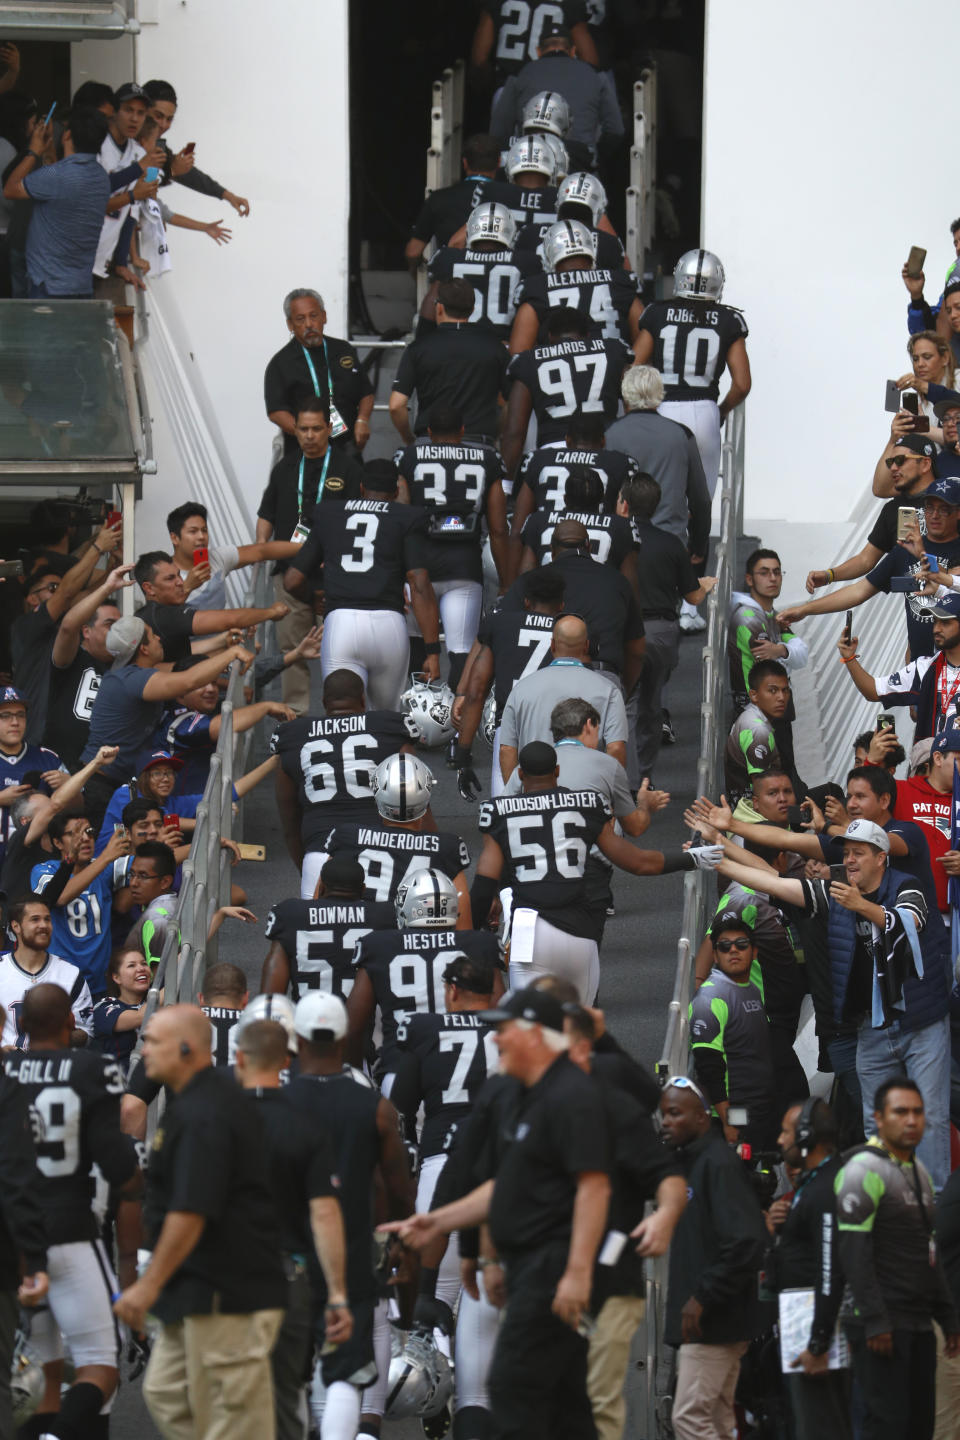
691 339
568 375
510 644
364 1130
445 210
400 972
543 473
327 767
572 278
456 483
223 999
508 35
312 942
404 841
368 549
489 262
582 197
613 540
538 843
74 1100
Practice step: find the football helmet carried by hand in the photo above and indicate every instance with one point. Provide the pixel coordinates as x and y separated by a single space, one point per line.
428 703
698 275
401 788
420 1382
270 1007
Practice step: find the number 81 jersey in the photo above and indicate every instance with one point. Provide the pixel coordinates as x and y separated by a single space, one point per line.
545 837
691 341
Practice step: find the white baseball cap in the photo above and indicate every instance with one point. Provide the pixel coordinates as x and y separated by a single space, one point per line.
320 1016
867 833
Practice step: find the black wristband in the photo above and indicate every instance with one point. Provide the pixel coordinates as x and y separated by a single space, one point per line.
432 647
674 860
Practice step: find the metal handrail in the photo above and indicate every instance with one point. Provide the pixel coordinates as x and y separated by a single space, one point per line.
641 192
674 1057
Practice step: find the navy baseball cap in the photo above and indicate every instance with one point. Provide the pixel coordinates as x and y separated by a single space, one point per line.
948 739
731 918
147 759
10 696
946 488
131 91
947 608
917 444
527 1004
950 402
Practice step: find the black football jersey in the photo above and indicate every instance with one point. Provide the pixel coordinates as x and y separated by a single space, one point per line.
536 208
569 376
406 970
496 276
453 480
612 538
520 643
545 838
332 761
320 937
74 1100
609 247
546 472
444 1061
605 295
223 1033
519 24
692 339
390 856
366 548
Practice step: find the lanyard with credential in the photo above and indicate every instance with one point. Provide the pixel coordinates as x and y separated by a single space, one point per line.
323 481
313 374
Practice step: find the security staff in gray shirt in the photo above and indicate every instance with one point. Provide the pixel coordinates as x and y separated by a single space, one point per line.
667 451
528 712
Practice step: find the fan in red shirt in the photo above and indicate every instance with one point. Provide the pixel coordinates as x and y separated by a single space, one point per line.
927 800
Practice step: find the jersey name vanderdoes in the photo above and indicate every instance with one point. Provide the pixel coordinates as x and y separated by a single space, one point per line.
545 838
496 277
332 763
692 338
406 968
568 376
546 472
519 641
450 1057
604 295
74 1100
16 982
391 856
612 537
320 938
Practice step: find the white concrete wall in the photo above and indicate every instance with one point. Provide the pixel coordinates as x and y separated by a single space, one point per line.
819 173
260 90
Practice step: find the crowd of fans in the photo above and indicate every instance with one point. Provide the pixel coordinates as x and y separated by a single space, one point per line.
432 1201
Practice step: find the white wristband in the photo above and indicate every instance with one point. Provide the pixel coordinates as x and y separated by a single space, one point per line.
954 581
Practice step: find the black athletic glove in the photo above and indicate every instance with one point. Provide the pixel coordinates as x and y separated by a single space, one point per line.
468 781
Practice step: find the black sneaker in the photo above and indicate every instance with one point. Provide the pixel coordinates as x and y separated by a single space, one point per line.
436 1426
667 732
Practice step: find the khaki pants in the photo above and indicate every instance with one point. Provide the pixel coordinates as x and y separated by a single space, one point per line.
607 1362
295 678
706 1384
948 1394
209 1377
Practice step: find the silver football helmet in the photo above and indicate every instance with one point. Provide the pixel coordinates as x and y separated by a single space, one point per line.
270 1007
530 155
561 160
698 275
566 239
491 221
427 901
401 788
488 720
546 114
420 1382
582 188
27 1382
428 703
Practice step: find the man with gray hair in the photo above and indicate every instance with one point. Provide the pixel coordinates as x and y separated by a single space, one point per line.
313 363
668 452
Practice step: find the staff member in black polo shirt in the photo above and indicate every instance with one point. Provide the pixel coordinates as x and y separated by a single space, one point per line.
547 1209
316 364
215 1279
458 366
313 471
